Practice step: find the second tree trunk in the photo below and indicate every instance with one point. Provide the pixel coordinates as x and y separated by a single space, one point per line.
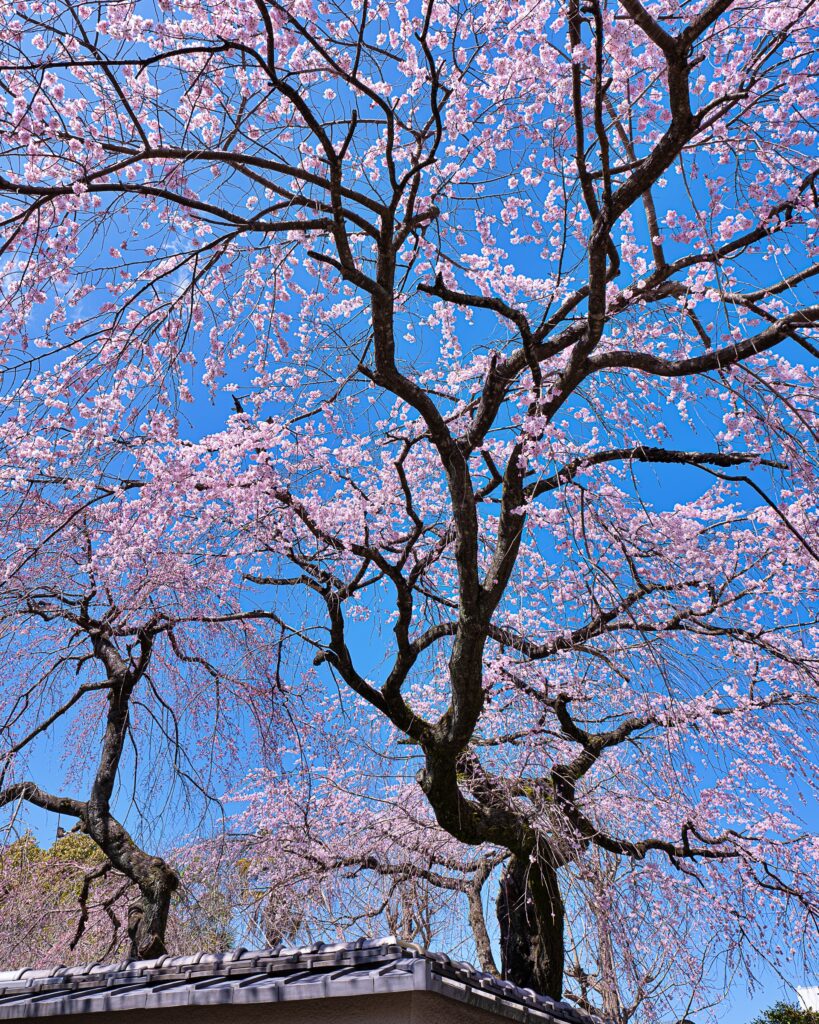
530 915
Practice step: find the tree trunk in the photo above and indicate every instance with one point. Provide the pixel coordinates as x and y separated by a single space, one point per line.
148 917
156 880
530 914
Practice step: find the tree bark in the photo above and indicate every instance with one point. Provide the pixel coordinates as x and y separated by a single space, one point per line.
156 880
530 915
477 919
148 916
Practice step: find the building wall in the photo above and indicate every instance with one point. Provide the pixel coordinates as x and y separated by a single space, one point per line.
428 1008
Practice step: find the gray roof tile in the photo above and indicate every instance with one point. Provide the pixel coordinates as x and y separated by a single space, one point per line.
364 967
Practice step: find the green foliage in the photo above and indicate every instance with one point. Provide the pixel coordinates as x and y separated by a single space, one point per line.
22 852
76 847
73 847
787 1013
60 868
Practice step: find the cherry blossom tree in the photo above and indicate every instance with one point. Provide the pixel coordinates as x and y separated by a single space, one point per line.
67 903
514 306
79 665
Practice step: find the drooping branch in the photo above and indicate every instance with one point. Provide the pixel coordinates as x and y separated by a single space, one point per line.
717 359
155 879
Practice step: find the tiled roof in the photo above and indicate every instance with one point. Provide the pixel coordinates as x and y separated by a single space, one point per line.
365 967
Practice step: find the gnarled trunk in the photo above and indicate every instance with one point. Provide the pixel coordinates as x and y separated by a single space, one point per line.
148 916
530 914
529 906
156 880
